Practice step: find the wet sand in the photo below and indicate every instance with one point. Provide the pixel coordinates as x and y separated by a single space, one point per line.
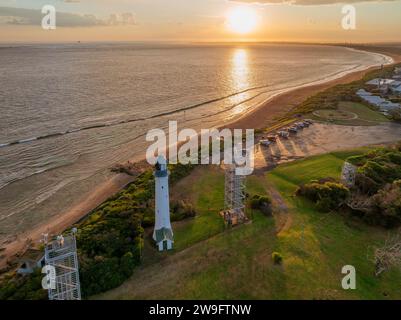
263 116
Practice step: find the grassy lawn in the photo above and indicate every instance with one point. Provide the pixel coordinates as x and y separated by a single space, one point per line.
210 262
352 113
318 245
206 191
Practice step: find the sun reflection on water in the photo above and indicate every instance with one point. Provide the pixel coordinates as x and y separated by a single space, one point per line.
240 78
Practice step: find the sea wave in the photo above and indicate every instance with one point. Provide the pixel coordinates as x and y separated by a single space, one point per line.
124 121
4 182
385 60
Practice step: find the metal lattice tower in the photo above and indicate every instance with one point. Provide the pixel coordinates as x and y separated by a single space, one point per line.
234 192
62 255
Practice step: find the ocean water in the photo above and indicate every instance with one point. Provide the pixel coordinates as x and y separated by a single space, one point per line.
69 112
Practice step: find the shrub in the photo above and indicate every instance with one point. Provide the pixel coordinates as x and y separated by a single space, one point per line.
327 196
386 206
396 115
20 287
366 185
277 258
262 203
181 210
376 169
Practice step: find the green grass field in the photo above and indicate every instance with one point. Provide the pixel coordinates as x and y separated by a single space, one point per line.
207 194
318 245
351 113
210 262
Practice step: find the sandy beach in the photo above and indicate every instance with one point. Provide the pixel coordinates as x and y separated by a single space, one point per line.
278 106
263 116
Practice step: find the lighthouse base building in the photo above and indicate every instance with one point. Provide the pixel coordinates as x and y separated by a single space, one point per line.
164 239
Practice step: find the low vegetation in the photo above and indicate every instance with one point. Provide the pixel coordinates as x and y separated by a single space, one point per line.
263 203
378 182
376 194
109 239
277 258
327 195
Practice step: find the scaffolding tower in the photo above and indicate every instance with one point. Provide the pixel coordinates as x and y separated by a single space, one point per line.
61 254
234 196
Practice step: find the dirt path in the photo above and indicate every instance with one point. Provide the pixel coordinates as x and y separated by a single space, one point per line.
281 211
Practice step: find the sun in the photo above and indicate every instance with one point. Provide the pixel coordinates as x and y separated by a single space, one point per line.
241 20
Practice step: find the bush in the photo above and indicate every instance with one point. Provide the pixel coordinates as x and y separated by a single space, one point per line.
396 115
262 203
181 210
366 185
376 169
23 287
386 206
277 258
327 196
100 274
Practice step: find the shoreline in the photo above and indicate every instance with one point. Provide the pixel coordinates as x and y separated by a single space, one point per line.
268 112
262 116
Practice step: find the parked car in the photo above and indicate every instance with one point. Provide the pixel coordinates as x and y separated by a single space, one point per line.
284 134
265 143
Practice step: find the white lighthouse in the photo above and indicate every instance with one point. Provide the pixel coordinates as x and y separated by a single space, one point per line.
163 234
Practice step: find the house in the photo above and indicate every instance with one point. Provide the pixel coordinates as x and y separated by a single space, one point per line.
373 100
386 86
397 90
363 92
380 82
387 106
395 84
384 105
31 260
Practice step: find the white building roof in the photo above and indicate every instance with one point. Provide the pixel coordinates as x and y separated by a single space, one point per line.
375 100
388 105
381 103
363 92
377 81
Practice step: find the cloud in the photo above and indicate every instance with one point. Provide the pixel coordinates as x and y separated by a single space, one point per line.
19 16
126 18
309 2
